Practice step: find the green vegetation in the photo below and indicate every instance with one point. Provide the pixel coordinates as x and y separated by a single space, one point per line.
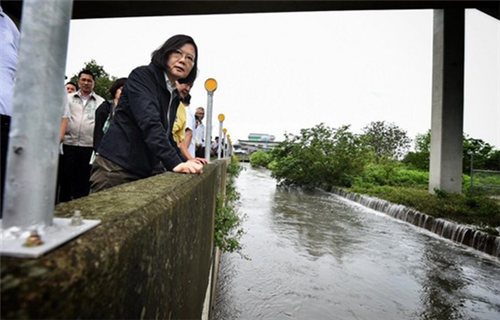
260 159
319 157
484 155
386 140
227 221
392 173
470 207
489 181
369 164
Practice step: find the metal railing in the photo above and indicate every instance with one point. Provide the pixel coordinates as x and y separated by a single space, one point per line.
484 179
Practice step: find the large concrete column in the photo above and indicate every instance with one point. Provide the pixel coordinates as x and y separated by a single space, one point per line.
447 101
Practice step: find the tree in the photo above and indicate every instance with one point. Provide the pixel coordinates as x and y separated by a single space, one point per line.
481 151
493 161
423 142
485 157
103 81
318 157
386 139
421 157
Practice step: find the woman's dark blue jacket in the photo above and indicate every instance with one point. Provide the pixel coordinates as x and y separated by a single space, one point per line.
140 134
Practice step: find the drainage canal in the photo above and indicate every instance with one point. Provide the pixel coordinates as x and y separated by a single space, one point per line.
321 256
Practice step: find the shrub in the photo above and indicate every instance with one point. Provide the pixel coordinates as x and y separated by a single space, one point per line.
260 159
393 173
319 157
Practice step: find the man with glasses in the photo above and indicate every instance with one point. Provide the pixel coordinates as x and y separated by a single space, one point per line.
78 139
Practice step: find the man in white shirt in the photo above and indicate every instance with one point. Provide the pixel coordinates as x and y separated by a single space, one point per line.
78 139
189 136
200 132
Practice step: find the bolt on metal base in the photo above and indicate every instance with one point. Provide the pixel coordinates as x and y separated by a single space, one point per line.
39 240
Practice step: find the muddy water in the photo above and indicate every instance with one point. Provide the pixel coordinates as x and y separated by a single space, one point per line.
319 256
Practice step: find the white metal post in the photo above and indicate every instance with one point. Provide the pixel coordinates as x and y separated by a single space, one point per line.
208 132
210 86
29 228
37 112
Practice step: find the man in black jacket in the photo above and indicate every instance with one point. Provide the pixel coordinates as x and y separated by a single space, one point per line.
140 135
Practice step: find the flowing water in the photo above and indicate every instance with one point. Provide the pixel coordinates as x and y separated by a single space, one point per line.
320 256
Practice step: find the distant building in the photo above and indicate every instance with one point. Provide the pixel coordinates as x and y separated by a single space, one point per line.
261 137
257 141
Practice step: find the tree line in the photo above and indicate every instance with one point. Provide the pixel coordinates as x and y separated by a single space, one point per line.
323 155
378 163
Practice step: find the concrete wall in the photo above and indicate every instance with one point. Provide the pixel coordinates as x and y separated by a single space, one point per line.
149 258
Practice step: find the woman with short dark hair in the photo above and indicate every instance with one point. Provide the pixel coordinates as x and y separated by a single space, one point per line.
140 135
172 46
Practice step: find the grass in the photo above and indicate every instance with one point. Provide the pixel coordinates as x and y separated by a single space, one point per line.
469 208
488 181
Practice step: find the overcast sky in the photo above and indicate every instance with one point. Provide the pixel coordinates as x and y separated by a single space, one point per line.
280 72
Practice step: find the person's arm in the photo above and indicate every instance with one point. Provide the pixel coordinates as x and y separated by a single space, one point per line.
184 144
190 135
197 142
64 124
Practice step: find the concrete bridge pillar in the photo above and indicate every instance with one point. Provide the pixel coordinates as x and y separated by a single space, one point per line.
447 101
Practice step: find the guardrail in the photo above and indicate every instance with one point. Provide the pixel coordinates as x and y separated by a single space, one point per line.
485 179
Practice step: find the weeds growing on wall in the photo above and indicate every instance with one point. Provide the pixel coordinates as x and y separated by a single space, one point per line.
228 229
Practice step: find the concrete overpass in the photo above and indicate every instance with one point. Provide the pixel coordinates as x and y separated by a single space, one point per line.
85 9
448 54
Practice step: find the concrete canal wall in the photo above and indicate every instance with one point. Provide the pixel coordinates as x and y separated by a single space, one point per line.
149 258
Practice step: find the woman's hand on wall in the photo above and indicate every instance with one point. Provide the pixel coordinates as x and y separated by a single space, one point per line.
190 166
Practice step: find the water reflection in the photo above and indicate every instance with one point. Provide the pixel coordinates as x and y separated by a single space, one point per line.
318 256
441 285
295 215
450 291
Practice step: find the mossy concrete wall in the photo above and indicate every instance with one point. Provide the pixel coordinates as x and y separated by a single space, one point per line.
148 259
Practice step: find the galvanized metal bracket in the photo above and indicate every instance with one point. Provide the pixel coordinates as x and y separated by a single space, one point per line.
13 240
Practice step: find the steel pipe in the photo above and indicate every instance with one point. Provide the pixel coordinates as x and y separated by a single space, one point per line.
39 96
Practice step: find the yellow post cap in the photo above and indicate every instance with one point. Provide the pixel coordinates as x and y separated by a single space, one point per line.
224 130
210 84
221 117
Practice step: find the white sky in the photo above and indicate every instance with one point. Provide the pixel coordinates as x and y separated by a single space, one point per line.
280 72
